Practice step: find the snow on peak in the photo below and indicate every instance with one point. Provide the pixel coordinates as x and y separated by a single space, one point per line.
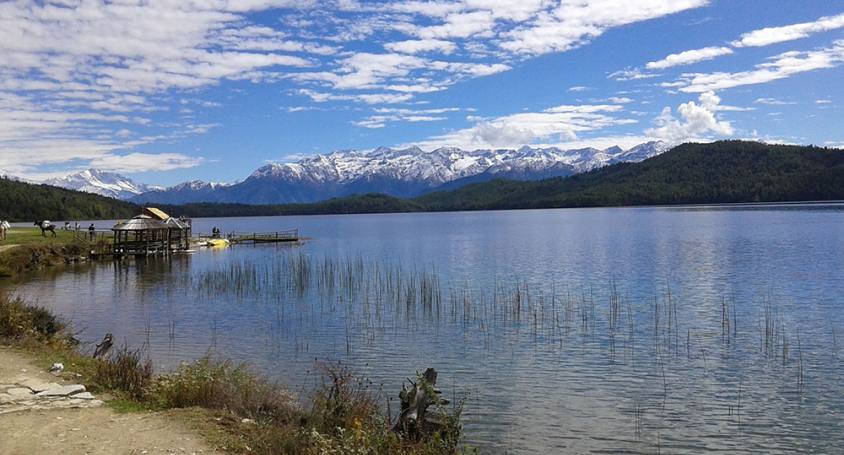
104 183
443 164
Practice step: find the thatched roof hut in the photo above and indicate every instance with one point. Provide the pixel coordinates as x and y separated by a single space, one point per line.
151 232
141 235
140 223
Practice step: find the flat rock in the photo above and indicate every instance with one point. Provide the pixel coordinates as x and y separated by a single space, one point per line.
16 394
19 391
84 396
38 386
62 391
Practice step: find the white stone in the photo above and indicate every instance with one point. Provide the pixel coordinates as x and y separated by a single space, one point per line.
62 391
84 396
37 386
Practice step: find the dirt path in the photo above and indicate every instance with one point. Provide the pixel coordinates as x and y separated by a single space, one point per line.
76 423
6 247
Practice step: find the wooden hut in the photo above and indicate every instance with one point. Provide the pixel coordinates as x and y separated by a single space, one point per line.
141 235
153 231
180 232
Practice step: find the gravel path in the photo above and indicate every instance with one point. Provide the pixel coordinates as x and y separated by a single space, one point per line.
40 413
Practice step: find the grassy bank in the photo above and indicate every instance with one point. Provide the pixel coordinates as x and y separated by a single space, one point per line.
235 409
26 250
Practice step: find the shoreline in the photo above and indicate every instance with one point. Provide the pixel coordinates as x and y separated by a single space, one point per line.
724 205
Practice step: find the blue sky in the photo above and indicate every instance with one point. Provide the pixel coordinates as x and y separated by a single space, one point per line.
173 90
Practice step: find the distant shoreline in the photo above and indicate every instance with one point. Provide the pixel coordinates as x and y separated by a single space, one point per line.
724 205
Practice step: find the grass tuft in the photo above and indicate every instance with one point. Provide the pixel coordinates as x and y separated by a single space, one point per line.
125 370
20 321
222 385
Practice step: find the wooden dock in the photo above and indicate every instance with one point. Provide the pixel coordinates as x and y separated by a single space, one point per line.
291 235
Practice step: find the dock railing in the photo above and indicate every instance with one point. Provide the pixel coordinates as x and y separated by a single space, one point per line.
290 235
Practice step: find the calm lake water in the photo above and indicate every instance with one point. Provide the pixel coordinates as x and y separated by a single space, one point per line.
639 330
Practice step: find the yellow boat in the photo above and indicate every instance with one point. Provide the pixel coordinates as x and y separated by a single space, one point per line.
217 243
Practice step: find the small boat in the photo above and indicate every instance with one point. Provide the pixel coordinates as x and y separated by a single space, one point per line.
217 243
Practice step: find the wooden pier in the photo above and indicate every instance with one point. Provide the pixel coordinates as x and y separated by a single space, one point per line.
291 235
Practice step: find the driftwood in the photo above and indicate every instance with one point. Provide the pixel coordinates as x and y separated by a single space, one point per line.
420 414
104 346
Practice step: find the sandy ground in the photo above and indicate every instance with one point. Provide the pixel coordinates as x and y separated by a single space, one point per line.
6 247
96 430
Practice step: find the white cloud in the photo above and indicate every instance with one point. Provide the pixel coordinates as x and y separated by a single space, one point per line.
689 57
367 98
778 67
631 74
773 102
385 115
573 23
756 38
774 35
696 121
79 78
578 88
422 46
144 162
559 124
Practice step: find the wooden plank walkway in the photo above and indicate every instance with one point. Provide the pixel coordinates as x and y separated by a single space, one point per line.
291 235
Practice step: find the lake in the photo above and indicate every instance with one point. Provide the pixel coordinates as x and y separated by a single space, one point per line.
638 330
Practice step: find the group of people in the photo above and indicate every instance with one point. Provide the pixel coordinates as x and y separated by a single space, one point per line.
77 227
46 225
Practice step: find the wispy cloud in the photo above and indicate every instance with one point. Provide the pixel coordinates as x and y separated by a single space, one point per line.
558 124
778 67
774 35
756 38
689 57
773 102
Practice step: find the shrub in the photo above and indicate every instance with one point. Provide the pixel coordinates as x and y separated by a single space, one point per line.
19 320
221 385
124 370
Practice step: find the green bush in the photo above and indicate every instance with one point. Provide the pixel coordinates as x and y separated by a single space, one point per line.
124 370
19 320
222 385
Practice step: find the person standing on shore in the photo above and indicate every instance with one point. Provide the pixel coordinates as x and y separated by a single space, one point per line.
92 232
4 226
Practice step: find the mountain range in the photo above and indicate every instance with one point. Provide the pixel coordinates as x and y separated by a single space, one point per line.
719 172
107 184
405 173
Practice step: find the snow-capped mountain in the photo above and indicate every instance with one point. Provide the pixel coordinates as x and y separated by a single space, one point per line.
406 172
103 183
193 191
10 176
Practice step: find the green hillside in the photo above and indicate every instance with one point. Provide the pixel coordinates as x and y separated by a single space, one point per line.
365 203
28 202
720 172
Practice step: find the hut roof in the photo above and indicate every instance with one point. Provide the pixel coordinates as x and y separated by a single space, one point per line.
155 213
140 223
176 223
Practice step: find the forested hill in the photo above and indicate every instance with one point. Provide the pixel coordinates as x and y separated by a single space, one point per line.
29 202
364 203
719 172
